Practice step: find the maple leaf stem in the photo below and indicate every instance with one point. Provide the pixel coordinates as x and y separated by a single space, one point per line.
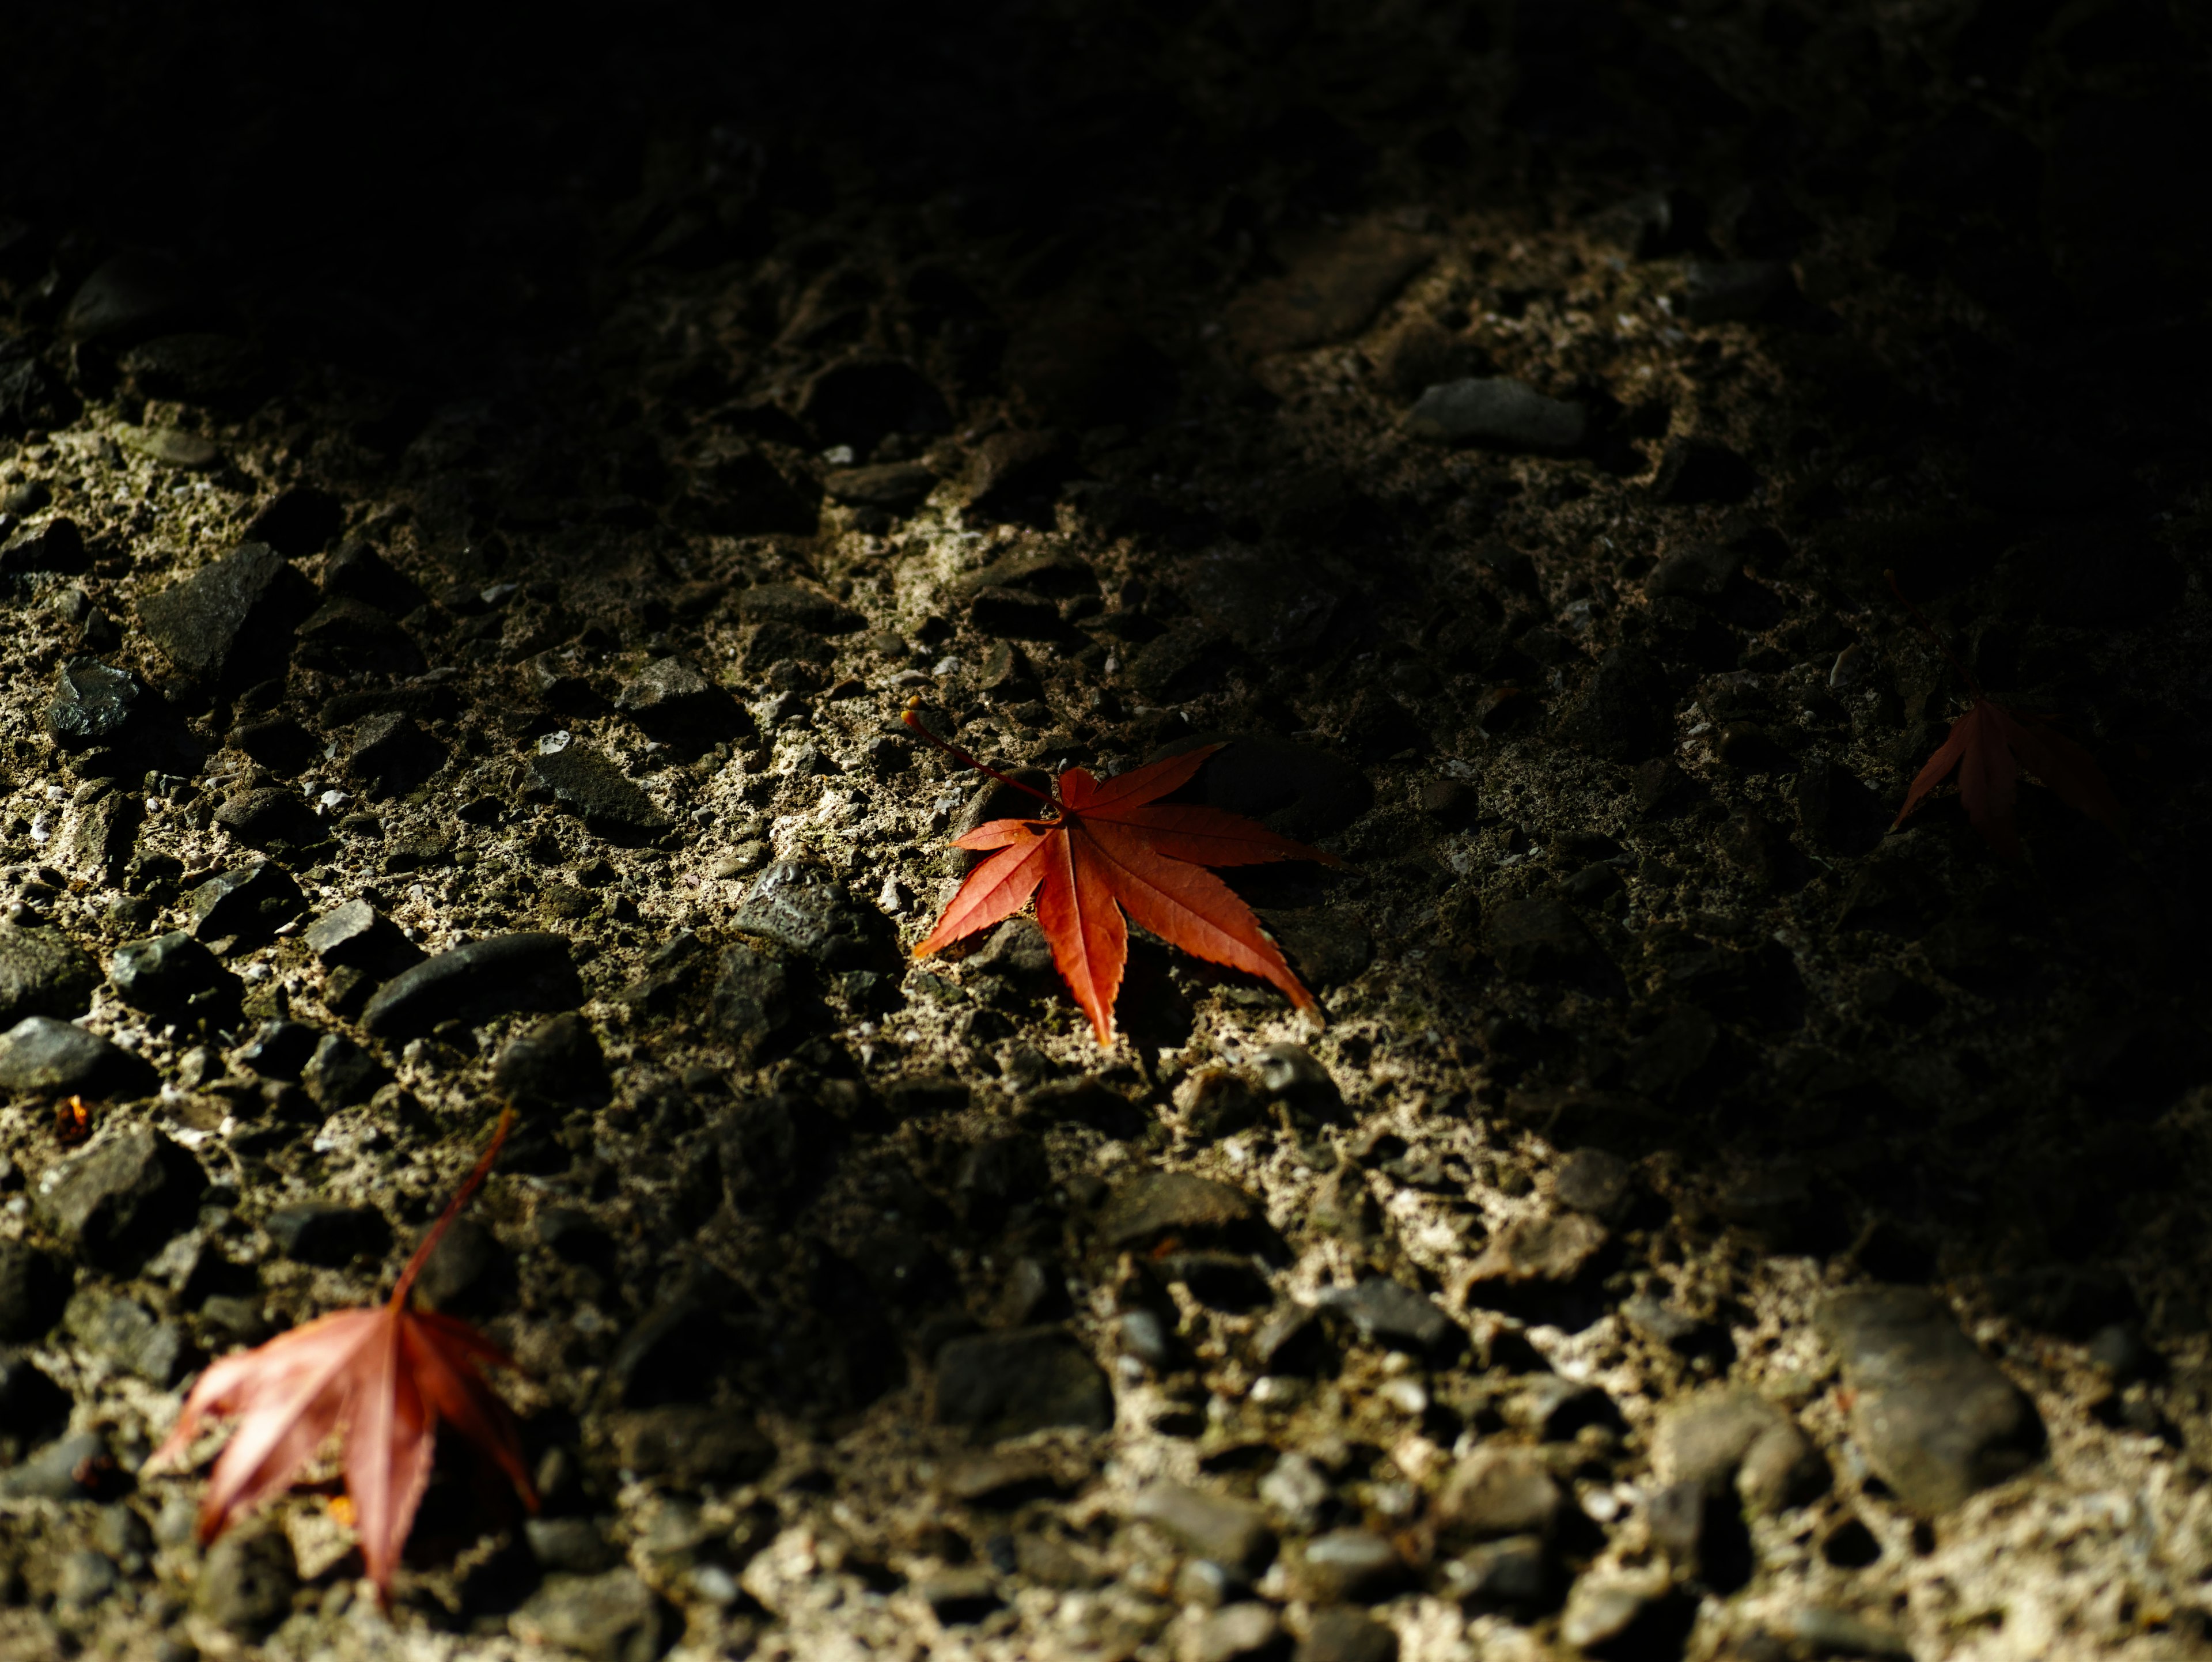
1928 628
462 1197
913 720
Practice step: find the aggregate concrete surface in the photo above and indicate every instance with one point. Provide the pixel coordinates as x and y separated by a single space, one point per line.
475 501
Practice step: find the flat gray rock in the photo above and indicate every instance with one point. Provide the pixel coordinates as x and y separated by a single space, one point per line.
117 1201
472 984
40 1056
1008 1384
1497 409
585 782
1219 1527
1936 1419
232 620
43 972
802 908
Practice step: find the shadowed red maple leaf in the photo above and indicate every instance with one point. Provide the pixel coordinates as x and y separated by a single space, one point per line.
1111 848
1991 747
385 1377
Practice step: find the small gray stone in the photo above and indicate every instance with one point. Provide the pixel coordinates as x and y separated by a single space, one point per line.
1291 1072
127 295
672 701
1497 409
1537 938
1498 1492
125 1334
798 605
1018 951
1937 1419
278 1050
1231 1532
756 1000
341 1074
56 1471
1298 1491
1703 1440
690 1444
94 703
1159 1203
43 972
250 902
85 1578
960 1598
1346 1635
1349 1566
802 908
166 973
1007 1384
1601 1608
1554 1248
1733 291
1390 1313
41 1057
1828 1632
463 1268
894 487
586 784
230 621
328 1234
557 1064
247 1583
495 977
1514 1573
390 753
34 1287
609 1617
1595 1182
1701 572
1783 1468
1234 1632
571 1546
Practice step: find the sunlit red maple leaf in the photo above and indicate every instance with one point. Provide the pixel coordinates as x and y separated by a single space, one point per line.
1110 849
384 1378
1991 747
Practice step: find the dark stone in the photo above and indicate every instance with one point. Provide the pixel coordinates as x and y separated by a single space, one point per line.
356 933
271 818
1266 604
127 295
92 703
279 1049
571 1546
557 1063
298 522
1349 1566
43 972
40 1056
1341 1635
1626 711
70 1469
390 754
1499 410
1158 1204
1291 1072
56 546
1937 1419
1538 938
230 622
1736 291
125 1333
756 1002
744 494
324 1233
894 487
277 742
165 974
609 1617
474 982
34 1287
671 700
798 606
862 404
209 370
1332 289
1294 790
1009 613
691 1444
1231 1532
357 572
1017 950
1498 1492
346 636
1325 948
341 1074
588 785
1007 1384
675 1349
1595 1181
465 1268
250 902
1390 1313
1701 571
247 1584
31 395
1554 1249
801 907
117 1201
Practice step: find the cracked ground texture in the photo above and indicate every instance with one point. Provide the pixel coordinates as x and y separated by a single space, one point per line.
475 501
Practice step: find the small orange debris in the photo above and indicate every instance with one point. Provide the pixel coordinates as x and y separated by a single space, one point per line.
340 1507
72 1122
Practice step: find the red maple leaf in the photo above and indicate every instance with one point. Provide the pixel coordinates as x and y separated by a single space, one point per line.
385 1378
1110 848
1991 747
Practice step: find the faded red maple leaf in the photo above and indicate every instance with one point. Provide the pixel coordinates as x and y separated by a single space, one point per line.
1991 747
1111 848
385 1378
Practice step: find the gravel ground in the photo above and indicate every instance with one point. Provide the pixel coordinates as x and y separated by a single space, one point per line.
472 510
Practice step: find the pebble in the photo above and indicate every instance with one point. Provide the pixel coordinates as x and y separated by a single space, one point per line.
801 907
1295 790
1701 571
1346 1635
1248 1628
1291 1072
390 753
472 984
1734 291
1326 946
571 1546
56 1471
56 546
1497 1492
231 621
1298 1491
1538 938
328 1234
1595 1182
1624 713
1349 1566
193 368
1010 1384
1499 410
756 1000
557 1064
1602 1608
94 703
246 1583
1829 1632
125 1334
1332 288
1390 1313
1231 1532
172 447
585 782
1937 1419
670 699
612 1617
798 606
894 487
40 1056
1017 950
1262 602
355 933
116 1202
341 1074
34 1287
271 816
249 902
127 295
165 973
1002 614
43 972
1514 1573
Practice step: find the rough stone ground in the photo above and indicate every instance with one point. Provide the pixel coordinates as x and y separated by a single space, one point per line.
463 487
